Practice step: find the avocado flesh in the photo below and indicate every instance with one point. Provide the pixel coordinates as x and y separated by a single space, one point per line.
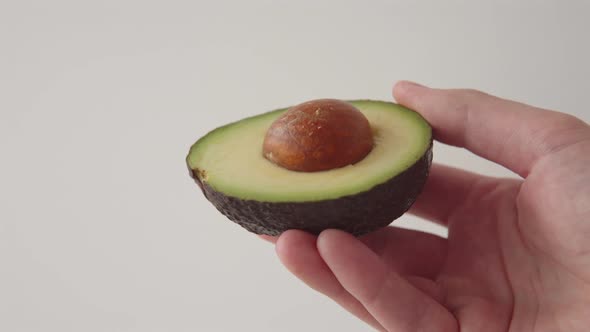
264 198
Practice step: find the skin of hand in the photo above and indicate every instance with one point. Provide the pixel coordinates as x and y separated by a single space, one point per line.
517 256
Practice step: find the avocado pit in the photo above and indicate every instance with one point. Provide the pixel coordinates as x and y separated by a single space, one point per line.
318 135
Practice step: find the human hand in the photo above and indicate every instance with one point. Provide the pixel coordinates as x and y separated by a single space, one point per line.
517 257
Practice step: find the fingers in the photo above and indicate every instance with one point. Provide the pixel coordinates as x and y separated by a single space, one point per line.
445 192
509 133
297 251
391 299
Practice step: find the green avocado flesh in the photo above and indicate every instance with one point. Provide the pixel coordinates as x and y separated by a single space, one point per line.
229 166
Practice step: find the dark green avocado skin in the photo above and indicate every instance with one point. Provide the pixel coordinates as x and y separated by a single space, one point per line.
356 214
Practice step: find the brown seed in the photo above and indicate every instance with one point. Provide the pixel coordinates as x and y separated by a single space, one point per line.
318 135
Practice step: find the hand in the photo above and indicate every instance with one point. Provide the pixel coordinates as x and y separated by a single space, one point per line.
517 257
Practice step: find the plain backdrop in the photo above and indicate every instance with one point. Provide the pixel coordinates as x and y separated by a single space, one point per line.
101 228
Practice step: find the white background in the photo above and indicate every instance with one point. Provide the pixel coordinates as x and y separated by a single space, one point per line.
101 229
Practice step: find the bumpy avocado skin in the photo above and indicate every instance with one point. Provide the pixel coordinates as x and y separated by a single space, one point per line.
356 214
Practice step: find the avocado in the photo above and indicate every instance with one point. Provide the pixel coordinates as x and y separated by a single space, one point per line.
245 183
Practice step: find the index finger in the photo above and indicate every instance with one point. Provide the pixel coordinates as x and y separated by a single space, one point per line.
506 132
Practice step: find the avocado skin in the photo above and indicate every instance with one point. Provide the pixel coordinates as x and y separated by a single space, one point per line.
356 214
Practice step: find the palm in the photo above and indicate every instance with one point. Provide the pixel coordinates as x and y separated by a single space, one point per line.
476 277
516 258
468 273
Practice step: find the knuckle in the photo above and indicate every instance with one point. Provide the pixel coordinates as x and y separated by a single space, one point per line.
561 131
570 121
470 95
375 296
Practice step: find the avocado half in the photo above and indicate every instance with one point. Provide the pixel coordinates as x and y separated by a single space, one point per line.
229 167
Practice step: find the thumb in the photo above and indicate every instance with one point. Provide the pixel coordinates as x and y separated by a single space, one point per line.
512 134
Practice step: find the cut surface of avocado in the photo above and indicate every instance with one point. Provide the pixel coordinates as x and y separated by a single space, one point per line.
229 159
229 166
